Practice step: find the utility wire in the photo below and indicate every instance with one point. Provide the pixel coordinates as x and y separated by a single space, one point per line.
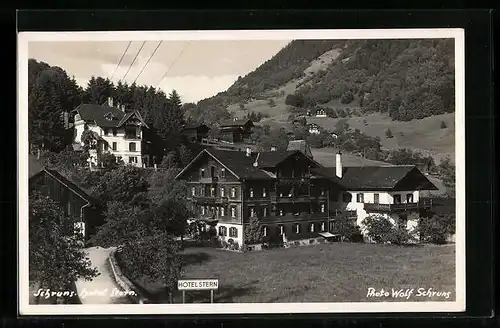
136 55
123 55
159 43
173 63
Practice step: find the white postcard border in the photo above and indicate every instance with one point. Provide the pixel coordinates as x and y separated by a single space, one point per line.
241 308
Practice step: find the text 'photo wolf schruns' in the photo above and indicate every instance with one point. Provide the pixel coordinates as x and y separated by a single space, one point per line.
242 171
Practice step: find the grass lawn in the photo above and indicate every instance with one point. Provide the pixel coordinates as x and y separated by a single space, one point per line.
334 272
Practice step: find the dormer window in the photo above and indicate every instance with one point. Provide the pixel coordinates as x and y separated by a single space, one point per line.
109 116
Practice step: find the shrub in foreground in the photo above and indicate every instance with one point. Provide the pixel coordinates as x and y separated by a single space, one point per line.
381 230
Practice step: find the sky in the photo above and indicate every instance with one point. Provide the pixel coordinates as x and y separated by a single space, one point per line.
196 69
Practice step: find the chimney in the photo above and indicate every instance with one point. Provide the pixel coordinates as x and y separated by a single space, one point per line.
256 163
110 101
338 165
249 151
273 148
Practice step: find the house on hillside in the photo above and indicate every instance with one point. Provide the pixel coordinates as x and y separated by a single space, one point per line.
235 130
300 145
390 191
112 129
73 200
228 188
196 133
313 128
320 113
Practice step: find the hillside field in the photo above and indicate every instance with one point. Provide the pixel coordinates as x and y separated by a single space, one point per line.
336 272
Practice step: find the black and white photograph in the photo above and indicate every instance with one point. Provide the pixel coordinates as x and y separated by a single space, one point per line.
219 172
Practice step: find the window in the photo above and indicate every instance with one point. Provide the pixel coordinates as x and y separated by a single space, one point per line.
233 212
223 192
311 227
233 232
114 132
376 198
233 192
202 210
202 173
397 199
114 146
360 197
212 192
212 171
280 229
264 231
264 211
252 212
132 159
322 208
323 226
131 146
193 191
409 198
223 173
222 211
222 231
251 193
69 209
264 194
281 212
322 191
296 227
346 197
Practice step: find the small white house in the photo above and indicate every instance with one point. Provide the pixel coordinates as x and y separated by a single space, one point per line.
389 191
313 128
320 113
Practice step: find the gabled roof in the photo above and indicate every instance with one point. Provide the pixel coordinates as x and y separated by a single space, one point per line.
379 177
98 113
234 123
35 168
241 165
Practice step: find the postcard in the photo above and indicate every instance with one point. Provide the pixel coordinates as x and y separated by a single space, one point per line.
223 172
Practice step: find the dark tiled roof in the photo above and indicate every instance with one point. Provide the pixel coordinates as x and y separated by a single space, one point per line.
97 113
240 163
376 177
234 123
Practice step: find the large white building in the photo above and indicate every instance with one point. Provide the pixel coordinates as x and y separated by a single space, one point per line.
389 191
114 130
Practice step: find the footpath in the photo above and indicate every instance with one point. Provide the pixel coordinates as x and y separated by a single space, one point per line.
103 289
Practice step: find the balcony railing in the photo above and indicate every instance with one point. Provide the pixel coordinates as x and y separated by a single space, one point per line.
293 217
209 179
210 199
426 204
297 199
132 137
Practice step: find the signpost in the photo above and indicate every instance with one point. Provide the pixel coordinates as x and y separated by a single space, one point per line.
198 284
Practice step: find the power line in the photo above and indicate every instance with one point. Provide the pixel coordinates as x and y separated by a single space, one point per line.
136 55
123 55
159 43
173 63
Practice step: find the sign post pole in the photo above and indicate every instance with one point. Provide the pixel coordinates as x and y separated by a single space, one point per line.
183 296
211 295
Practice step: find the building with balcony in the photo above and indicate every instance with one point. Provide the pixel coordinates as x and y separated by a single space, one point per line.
114 130
235 130
277 187
390 191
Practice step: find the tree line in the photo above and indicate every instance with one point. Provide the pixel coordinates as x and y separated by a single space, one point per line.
52 93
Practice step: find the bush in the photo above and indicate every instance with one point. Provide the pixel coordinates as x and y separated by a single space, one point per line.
347 97
443 125
381 230
437 228
347 228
